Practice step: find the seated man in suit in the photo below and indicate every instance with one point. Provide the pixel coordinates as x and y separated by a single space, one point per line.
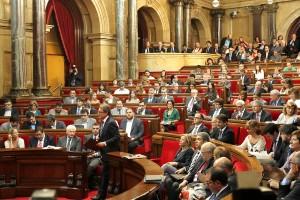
94 157
72 98
218 109
164 96
197 126
8 110
244 80
85 120
172 48
70 141
225 134
88 106
193 103
55 124
142 110
151 98
119 109
276 100
40 139
257 88
31 123
196 176
134 129
258 113
76 110
286 191
122 89
240 113
58 110
13 122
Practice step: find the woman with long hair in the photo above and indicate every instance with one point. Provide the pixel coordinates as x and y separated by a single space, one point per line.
289 114
132 97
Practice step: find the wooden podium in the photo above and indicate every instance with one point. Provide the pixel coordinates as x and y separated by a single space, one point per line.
23 171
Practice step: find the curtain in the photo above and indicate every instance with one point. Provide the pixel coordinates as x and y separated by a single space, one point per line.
65 25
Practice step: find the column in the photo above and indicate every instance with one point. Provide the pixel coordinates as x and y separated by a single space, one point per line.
120 40
40 83
18 50
187 20
217 15
256 12
132 39
271 10
178 23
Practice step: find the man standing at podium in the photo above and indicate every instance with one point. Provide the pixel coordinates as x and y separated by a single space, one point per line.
109 141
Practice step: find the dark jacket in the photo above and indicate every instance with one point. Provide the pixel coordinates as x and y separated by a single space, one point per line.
137 128
287 193
265 116
227 135
14 112
33 141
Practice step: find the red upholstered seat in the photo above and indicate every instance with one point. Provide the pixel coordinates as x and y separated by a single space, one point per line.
274 113
179 99
236 131
238 165
169 149
243 134
269 142
180 127
146 147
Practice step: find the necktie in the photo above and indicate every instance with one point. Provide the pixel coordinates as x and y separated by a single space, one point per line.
195 130
78 111
257 117
40 144
119 110
220 134
69 144
191 104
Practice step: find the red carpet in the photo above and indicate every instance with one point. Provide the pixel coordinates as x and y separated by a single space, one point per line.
90 195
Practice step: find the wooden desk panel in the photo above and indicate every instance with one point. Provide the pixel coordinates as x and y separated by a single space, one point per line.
29 169
129 176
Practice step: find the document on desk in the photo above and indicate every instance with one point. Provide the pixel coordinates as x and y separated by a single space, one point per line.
134 156
153 178
52 147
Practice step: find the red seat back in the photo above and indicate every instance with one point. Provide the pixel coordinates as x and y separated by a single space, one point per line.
243 134
168 152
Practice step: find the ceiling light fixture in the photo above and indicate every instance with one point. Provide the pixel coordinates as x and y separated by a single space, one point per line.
215 3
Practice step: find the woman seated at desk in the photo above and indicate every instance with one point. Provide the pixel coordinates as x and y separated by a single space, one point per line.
14 141
254 142
289 114
183 156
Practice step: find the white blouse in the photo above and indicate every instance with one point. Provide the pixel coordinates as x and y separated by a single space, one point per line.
283 119
21 144
259 146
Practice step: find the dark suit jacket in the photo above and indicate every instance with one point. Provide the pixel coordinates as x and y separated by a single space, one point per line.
27 125
223 42
93 111
147 112
196 106
75 144
14 111
202 128
246 80
137 129
223 111
154 100
225 192
175 50
157 50
233 57
59 125
251 90
263 56
183 158
286 193
109 134
281 153
33 141
208 50
191 175
245 116
227 135
265 116
73 111
279 102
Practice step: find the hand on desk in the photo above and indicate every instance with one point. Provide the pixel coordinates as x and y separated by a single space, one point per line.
101 144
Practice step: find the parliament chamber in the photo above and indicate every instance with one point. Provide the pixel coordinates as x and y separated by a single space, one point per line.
150 99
